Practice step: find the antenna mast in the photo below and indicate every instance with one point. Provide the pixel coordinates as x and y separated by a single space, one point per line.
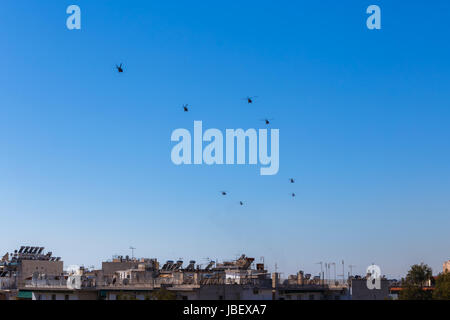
132 252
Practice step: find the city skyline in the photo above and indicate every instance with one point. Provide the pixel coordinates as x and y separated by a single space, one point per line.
85 167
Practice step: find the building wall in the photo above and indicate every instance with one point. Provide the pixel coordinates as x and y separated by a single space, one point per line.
220 292
300 296
238 292
256 294
110 267
28 267
53 296
133 295
224 292
209 292
75 295
359 290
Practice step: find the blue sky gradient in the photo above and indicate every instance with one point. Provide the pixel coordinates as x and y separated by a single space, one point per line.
363 115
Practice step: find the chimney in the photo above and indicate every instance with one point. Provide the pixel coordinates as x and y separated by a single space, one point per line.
300 278
275 279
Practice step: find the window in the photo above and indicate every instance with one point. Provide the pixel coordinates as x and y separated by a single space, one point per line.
53 296
66 297
311 297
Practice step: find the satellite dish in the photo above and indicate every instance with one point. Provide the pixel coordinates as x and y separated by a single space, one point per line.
35 277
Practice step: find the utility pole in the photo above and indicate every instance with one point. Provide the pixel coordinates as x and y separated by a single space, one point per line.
334 264
329 271
351 269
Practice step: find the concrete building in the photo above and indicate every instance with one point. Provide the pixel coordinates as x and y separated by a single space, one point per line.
230 280
30 274
120 263
63 294
28 268
360 291
25 264
143 279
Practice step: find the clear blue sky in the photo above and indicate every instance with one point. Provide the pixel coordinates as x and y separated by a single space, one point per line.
363 115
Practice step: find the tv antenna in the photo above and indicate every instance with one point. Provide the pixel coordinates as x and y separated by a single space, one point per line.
321 269
351 269
132 252
334 264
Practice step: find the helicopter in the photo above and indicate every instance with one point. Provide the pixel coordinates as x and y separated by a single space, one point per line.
250 99
119 68
267 121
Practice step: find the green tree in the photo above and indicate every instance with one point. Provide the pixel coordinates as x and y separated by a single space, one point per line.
164 294
412 285
442 289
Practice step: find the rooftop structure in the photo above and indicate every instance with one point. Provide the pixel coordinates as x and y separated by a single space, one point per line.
23 264
37 275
